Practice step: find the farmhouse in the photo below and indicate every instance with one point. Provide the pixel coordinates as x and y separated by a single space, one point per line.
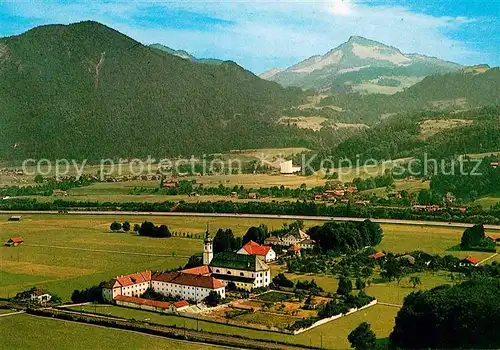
294 236
34 295
469 261
252 248
15 218
14 242
377 256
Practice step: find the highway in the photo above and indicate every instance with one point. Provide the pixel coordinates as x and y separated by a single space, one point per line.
252 216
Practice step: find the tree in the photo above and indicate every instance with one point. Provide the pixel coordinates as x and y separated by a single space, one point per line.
115 226
137 227
362 337
475 237
224 241
38 179
126 226
345 286
281 280
213 299
147 229
163 231
450 317
415 281
256 234
360 284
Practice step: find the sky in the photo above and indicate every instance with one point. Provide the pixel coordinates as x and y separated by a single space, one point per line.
260 35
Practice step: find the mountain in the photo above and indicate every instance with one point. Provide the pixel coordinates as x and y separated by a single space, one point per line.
361 65
468 88
186 55
87 91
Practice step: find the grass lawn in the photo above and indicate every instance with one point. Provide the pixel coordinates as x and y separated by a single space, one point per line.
334 334
408 185
432 240
30 332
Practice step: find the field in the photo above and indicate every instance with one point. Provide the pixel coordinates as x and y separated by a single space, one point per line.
400 185
431 127
66 252
487 202
333 335
63 253
25 332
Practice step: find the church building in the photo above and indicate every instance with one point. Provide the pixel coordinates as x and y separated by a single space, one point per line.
245 271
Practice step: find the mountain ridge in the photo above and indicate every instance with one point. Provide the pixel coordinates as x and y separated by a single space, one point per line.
371 59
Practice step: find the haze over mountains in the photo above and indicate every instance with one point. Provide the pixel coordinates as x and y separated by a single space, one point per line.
361 65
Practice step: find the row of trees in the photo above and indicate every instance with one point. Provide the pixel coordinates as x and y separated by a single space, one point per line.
346 236
309 208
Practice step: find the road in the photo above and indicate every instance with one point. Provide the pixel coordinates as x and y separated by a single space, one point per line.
252 216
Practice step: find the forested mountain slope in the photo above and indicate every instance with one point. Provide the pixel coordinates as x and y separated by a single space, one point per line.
87 91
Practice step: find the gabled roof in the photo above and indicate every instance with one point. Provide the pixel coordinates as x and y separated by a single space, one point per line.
294 248
307 241
142 301
181 303
297 233
239 262
135 278
16 240
254 248
471 260
199 270
187 279
377 255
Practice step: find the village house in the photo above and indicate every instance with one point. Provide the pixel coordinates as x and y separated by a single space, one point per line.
294 250
15 218
252 248
377 256
172 183
34 295
469 261
293 237
14 241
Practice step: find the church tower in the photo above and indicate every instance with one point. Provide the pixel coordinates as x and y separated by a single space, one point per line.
208 249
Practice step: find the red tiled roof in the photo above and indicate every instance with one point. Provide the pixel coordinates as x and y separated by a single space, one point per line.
294 248
254 248
199 270
181 303
493 237
142 301
188 279
16 240
377 255
472 260
139 277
